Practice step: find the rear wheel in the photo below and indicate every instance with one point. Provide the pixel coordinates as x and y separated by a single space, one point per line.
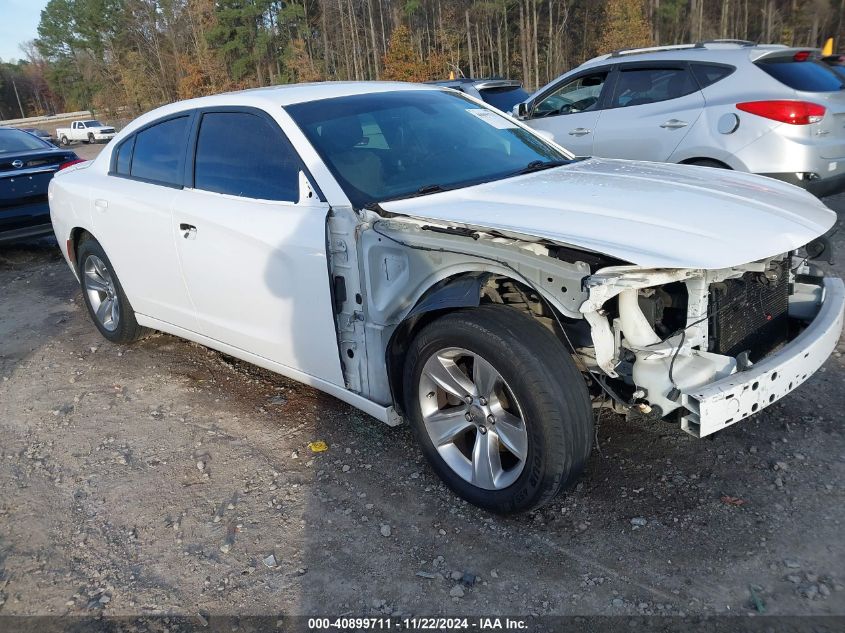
104 297
707 162
64 140
499 408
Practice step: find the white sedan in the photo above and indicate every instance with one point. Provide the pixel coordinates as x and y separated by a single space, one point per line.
425 258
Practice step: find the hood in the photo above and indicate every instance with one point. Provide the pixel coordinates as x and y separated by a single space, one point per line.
650 214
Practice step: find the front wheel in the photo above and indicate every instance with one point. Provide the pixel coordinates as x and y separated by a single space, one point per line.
104 297
90 138
498 406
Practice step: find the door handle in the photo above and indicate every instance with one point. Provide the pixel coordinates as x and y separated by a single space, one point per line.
674 124
189 231
101 204
579 131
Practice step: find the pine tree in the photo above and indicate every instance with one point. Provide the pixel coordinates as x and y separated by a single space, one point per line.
625 26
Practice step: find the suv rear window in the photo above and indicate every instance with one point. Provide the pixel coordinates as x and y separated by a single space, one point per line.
807 76
504 97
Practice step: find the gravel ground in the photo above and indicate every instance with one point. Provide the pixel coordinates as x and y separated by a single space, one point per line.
165 477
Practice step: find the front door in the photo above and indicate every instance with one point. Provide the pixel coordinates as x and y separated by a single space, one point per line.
571 111
253 250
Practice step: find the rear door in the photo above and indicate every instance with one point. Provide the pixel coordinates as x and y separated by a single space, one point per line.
133 222
570 110
253 250
651 110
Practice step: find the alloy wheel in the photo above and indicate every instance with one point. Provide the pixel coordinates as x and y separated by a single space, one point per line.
102 292
473 418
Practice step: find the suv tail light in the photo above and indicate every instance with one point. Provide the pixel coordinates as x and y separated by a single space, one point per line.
70 163
792 112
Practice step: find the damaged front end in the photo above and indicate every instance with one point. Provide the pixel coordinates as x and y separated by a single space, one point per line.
711 346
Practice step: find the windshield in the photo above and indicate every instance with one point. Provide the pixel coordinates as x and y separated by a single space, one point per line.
93 123
19 141
392 145
504 97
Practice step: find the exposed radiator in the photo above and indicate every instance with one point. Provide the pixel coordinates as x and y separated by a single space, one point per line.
750 313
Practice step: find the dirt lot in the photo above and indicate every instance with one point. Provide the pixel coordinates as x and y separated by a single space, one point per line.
164 477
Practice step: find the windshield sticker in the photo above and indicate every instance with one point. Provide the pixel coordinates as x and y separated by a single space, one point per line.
491 118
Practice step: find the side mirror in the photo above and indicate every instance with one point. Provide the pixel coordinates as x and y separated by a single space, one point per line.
522 110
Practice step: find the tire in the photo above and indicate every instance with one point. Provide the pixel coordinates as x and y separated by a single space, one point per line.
64 140
90 138
707 162
101 290
541 398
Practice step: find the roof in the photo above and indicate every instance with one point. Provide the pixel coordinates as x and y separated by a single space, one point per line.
275 96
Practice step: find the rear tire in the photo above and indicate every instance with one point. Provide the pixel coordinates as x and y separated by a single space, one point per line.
104 297
64 140
538 399
707 162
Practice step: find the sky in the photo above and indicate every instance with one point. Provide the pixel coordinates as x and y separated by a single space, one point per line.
18 24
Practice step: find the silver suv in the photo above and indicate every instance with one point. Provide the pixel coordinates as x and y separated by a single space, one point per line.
765 109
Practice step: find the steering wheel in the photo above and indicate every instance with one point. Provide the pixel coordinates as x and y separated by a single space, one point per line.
564 108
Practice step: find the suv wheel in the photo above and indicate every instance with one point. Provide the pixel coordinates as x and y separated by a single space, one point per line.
498 406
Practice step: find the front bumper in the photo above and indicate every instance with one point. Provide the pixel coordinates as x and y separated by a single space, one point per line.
104 137
719 404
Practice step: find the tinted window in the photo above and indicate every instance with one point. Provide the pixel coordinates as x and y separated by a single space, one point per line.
19 141
504 97
579 95
708 74
160 150
245 155
650 85
808 76
431 140
124 157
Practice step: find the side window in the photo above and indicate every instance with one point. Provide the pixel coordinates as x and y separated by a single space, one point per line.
708 74
578 95
159 152
123 161
245 155
640 86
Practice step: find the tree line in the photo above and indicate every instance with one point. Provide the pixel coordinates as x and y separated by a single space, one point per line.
131 55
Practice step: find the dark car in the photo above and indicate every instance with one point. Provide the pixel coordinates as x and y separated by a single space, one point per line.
503 94
26 166
837 63
44 135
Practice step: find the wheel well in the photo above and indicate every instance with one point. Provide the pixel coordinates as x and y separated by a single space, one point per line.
77 234
494 289
703 160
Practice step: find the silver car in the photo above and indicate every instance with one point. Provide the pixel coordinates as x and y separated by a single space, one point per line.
765 109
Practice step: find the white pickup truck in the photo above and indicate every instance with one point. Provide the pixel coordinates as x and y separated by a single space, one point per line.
89 131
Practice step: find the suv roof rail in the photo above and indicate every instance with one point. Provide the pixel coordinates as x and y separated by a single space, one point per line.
651 49
680 47
702 43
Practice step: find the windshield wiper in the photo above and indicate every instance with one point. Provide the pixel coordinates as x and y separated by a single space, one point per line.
427 189
540 165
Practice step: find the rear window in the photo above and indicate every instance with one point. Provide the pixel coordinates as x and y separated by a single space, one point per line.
504 97
708 74
19 141
808 76
159 152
